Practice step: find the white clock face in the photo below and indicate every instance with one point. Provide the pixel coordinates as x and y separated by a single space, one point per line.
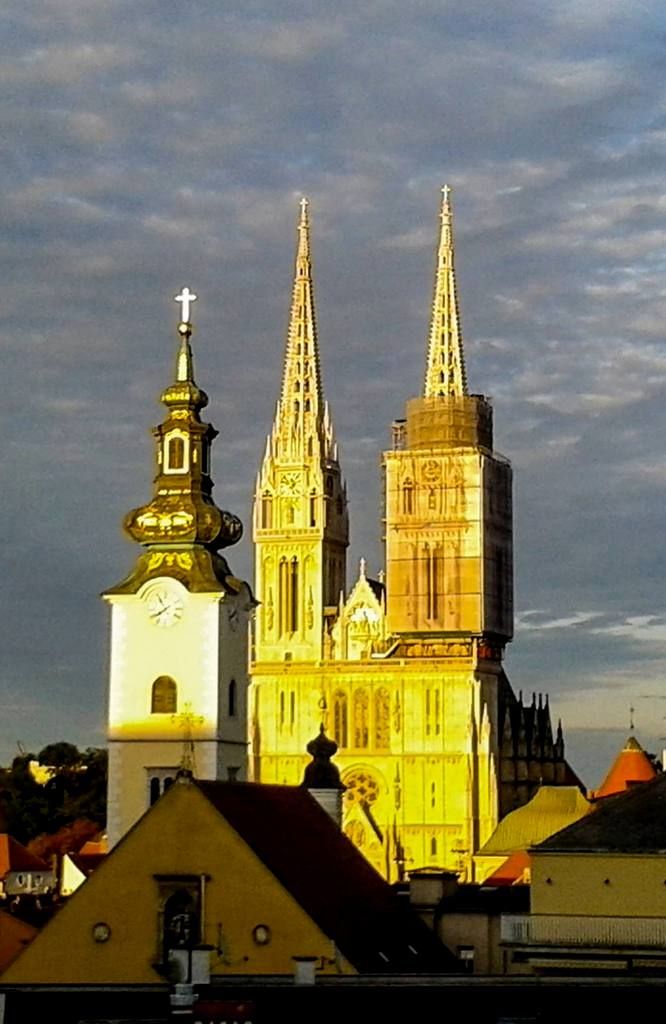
165 608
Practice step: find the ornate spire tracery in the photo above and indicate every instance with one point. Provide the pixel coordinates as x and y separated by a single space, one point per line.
445 370
302 421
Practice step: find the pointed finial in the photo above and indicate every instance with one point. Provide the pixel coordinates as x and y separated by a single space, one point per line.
361 568
445 369
304 212
631 719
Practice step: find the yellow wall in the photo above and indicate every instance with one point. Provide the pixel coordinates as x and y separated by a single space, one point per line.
599 884
182 835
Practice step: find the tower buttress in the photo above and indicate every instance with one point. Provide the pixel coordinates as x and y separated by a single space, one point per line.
301 530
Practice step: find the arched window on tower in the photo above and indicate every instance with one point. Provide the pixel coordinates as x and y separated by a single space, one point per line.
293 595
313 509
361 718
164 696
154 790
176 453
408 498
266 511
340 718
231 699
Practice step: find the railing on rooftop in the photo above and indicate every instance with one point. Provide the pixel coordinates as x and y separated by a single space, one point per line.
570 930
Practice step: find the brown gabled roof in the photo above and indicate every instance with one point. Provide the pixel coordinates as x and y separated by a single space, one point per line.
14 857
325 873
630 822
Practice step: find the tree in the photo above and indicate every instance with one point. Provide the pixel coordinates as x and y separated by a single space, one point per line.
76 788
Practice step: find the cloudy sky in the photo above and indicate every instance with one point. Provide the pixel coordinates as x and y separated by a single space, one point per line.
146 146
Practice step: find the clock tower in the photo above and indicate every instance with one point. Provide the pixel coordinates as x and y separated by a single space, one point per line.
178 674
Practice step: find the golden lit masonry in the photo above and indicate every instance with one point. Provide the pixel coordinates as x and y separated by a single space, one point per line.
405 669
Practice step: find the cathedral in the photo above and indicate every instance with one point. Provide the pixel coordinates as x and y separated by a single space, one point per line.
403 672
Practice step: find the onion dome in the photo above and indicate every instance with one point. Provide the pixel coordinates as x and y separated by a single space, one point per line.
321 773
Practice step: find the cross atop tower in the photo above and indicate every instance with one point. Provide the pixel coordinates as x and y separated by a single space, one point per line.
185 298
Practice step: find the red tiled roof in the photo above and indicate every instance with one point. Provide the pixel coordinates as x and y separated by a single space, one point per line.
632 765
14 857
325 873
511 871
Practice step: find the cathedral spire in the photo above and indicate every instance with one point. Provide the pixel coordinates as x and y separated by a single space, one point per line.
301 382
445 370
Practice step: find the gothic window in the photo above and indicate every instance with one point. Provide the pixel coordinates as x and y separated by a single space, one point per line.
266 511
436 714
433 794
288 595
281 708
432 571
297 408
307 405
362 787
433 846
164 696
427 712
310 446
292 708
313 509
306 385
293 595
297 385
408 498
340 716
176 453
361 715
231 699
382 725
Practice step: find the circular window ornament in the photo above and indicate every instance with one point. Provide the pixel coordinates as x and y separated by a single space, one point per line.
261 934
101 931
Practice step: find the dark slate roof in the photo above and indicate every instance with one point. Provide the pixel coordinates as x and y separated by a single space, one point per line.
325 873
377 588
631 822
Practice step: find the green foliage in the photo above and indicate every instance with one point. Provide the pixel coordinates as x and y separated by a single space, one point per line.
75 789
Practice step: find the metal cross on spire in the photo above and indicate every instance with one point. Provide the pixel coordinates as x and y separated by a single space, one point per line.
185 298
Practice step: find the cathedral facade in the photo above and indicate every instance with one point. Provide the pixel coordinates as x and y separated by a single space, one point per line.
404 672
